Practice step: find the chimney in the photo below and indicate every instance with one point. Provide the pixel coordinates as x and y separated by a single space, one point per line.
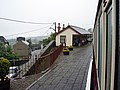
20 38
63 26
58 27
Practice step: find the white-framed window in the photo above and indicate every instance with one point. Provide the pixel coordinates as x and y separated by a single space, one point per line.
63 39
108 48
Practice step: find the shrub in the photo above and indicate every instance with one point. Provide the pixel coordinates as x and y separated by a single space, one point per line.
4 68
70 48
66 50
7 52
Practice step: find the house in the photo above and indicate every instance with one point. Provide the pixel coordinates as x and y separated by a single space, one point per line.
71 36
21 47
3 40
106 46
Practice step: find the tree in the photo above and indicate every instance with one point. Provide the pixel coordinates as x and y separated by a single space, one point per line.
7 52
48 40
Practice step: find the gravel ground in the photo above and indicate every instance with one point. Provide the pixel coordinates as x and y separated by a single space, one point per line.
22 84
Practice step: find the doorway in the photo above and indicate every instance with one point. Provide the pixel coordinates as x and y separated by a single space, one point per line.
76 40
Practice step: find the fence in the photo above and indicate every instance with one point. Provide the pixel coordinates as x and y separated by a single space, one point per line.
45 62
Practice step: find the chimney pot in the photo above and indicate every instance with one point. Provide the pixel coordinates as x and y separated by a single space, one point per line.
59 27
58 24
63 26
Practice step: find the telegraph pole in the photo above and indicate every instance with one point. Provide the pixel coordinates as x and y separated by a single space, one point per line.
55 27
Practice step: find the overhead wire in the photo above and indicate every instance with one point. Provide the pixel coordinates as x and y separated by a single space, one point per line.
47 30
26 22
20 21
30 31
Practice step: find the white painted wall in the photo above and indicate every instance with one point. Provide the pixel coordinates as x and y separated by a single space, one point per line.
69 35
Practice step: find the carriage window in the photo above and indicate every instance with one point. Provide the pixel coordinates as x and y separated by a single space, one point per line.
108 47
117 64
100 50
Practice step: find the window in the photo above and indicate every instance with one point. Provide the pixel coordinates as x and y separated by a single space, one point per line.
117 61
62 39
108 48
100 50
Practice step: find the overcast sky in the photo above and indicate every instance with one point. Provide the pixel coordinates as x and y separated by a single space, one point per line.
75 12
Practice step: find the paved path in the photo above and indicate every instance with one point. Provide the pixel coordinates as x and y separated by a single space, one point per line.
69 72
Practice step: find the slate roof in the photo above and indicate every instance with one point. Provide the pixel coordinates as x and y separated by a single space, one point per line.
3 40
76 29
80 30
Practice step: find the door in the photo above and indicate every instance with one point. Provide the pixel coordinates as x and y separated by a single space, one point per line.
63 40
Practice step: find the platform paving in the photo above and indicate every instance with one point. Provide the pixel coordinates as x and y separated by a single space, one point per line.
69 71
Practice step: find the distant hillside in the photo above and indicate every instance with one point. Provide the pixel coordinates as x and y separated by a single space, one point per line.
11 41
34 40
